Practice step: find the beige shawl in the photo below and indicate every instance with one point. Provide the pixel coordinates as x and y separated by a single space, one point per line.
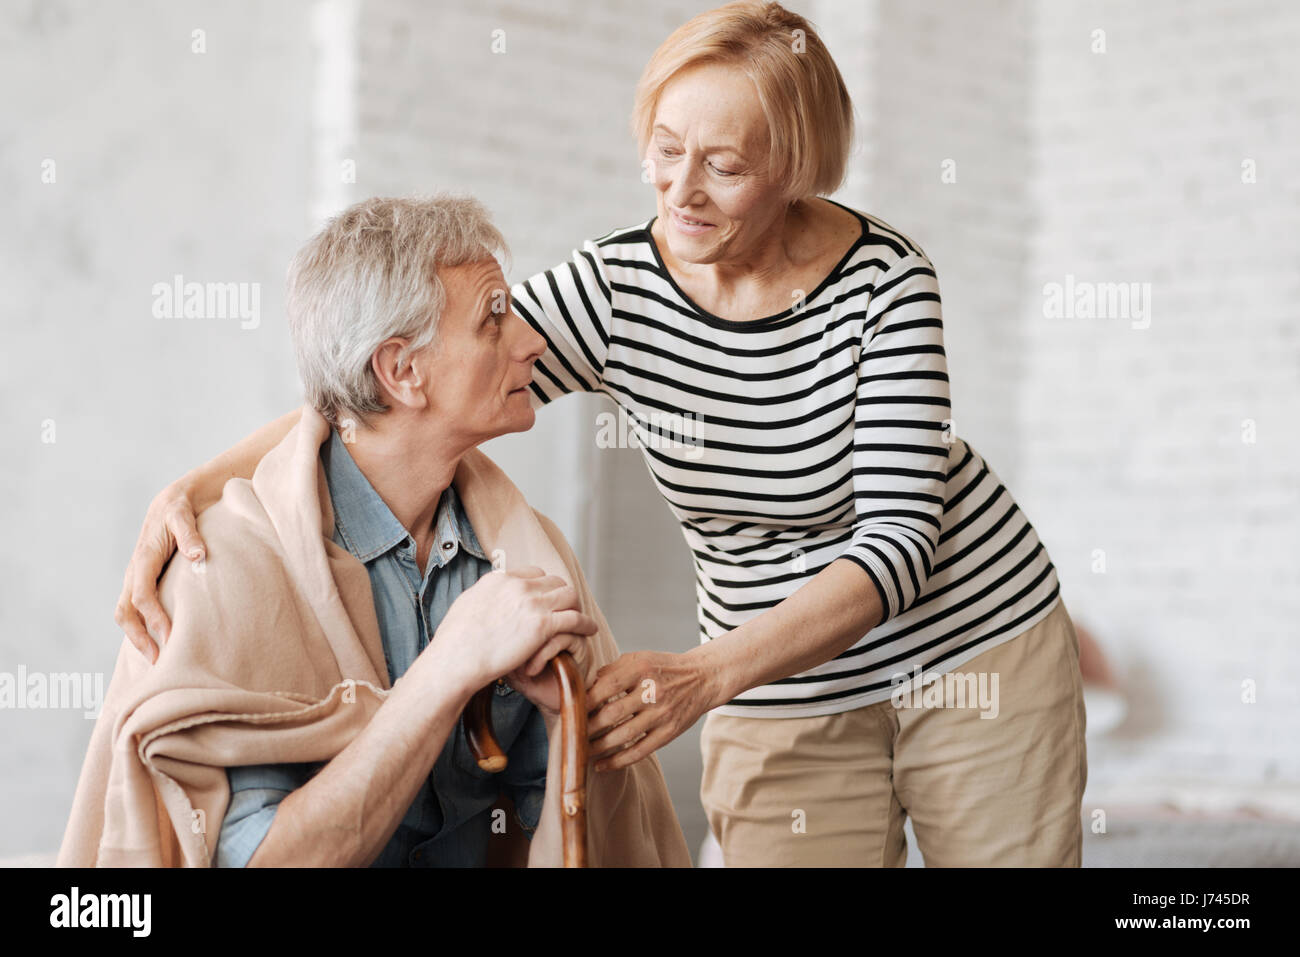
275 656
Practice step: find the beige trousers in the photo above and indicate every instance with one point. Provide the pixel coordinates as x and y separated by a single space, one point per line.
835 790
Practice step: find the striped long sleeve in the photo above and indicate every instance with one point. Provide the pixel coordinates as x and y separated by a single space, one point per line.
902 419
816 433
570 307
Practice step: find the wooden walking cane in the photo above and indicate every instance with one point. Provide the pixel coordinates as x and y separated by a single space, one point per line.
573 751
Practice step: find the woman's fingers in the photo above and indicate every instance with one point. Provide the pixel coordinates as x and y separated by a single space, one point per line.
614 677
133 625
169 521
651 742
147 565
184 529
625 734
608 715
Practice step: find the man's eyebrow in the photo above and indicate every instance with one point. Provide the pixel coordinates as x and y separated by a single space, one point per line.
490 293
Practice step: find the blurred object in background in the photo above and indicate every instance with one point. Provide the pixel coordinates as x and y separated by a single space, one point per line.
1102 694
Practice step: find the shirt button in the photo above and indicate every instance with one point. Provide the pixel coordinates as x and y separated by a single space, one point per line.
448 545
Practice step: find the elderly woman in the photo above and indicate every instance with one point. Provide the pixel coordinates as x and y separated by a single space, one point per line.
851 551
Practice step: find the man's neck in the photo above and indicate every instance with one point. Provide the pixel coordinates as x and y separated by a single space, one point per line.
409 465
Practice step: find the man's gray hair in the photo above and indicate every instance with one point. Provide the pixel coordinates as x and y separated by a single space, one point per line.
371 274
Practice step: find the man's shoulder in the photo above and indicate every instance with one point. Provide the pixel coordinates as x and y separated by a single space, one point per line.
553 531
239 515
238 537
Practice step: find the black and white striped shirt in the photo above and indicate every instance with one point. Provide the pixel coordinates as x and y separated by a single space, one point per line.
784 443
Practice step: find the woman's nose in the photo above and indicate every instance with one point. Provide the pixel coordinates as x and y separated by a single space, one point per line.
681 185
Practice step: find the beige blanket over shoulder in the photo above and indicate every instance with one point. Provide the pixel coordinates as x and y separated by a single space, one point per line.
275 656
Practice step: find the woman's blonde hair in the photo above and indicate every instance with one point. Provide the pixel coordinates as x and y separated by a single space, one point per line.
809 113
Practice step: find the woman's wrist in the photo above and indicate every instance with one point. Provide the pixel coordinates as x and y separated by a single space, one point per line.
203 485
718 671
194 485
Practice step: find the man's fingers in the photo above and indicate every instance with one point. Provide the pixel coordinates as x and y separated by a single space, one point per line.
533 667
566 598
546 583
557 592
537 663
572 622
526 571
562 641
553 592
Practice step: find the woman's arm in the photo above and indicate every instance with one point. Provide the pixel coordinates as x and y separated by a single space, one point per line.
824 617
899 465
169 524
205 483
570 306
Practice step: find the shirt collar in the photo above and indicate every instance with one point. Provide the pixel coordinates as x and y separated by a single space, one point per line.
364 521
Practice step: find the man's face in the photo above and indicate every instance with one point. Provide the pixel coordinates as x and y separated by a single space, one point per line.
478 374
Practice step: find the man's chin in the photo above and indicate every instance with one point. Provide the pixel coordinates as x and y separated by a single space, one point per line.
517 415
524 420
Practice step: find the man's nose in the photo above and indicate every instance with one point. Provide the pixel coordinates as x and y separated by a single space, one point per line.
531 344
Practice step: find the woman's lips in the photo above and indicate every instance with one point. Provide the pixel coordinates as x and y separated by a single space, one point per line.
690 229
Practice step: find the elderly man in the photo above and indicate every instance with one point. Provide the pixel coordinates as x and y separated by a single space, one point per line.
317 718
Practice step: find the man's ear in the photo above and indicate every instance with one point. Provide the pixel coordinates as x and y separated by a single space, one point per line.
400 380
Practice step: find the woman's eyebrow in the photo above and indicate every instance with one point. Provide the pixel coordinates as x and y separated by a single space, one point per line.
718 148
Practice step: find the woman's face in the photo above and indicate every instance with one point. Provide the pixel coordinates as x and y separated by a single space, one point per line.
708 158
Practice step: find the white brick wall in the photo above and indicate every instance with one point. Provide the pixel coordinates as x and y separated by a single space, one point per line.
1120 167
946 92
1115 167
166 161
1132 438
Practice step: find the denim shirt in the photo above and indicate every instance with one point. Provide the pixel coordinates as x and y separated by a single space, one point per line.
448 824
